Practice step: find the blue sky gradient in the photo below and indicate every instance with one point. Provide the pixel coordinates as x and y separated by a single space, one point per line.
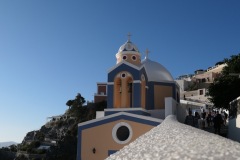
51 50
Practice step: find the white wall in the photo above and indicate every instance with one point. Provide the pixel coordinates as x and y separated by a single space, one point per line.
183 84
234 123
233 129
181 112
170 106
99 114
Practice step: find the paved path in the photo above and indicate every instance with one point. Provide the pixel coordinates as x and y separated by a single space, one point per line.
223 131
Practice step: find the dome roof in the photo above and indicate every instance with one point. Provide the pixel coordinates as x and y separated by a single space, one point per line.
128 46
155 71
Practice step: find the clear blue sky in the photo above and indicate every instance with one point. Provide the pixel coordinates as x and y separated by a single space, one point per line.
52 49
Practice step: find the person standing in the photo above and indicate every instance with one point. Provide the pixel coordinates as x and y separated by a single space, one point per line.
209 119
196 119
203 119
218 121
189 120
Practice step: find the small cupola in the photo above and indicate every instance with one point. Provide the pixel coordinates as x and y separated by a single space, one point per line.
128 46
129 52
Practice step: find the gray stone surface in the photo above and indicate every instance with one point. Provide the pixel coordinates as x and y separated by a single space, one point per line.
174 140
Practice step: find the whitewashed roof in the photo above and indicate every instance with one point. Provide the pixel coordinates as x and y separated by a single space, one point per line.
155 71
128 46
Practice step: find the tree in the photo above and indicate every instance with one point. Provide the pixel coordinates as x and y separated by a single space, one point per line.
100 106
77 102
13 148
69 103
226 88
76 108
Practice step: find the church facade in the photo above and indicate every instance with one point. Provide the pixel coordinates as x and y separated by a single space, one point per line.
135 91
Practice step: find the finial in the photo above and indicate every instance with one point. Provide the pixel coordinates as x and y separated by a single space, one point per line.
129 35
147 52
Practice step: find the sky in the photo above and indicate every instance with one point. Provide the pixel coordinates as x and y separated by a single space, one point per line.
50 50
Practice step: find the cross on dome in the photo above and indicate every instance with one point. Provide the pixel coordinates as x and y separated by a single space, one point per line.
147 52
129 36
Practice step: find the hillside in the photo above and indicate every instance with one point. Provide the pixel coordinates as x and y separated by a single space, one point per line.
57 139
7 144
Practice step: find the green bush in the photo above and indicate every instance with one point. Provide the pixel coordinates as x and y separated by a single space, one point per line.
40 136
29 147
59 123
41 151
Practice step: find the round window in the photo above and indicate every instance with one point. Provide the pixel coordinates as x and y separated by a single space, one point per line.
122 133
124 57
134 58
123 75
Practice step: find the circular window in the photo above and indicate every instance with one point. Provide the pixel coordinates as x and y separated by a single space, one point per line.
122 133
123 75
124 57
134 58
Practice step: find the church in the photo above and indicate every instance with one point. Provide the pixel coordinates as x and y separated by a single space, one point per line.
139 94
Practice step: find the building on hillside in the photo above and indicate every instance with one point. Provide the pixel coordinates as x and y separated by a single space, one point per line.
209 75
140 93
184 84
194 87
217 68
201 77
199 71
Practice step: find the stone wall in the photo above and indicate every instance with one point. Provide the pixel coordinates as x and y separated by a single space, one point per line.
174 140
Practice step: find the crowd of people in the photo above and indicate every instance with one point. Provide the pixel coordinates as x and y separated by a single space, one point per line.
204 119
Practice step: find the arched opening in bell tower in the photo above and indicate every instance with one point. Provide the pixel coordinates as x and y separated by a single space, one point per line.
130 92
123 90
117 92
